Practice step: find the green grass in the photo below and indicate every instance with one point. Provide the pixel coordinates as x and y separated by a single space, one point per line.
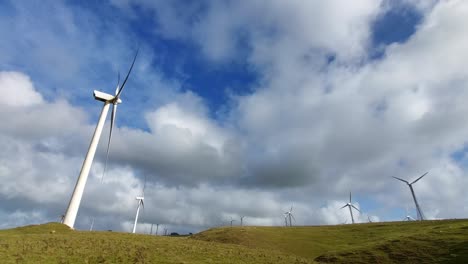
398 242
56 243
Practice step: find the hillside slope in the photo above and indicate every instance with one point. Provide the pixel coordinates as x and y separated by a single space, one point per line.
56 243
394 242
398 242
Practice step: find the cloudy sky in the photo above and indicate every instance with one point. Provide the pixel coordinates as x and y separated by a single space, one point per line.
235 108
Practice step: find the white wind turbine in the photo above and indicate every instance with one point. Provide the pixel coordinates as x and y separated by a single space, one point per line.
288 215
350 206
419 212
140 204
408 217
75 200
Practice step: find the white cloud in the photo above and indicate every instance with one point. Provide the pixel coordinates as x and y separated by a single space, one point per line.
17 90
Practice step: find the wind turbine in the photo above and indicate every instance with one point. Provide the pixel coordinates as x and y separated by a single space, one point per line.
408 217
242 220
92 225
107 99
410 185
289 214
232 220
140 204
350 206
157 227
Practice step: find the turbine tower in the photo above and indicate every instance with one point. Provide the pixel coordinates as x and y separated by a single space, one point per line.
107 99
350 206
242 220
419 212
140 204
288 215
232 220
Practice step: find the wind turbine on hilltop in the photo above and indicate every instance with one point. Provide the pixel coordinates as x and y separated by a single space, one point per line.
141 204
157 227
408 217
232 220
242 220
350 206
419 212
288 215
107 99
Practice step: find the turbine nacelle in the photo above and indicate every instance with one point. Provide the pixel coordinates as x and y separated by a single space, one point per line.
105 97
139 198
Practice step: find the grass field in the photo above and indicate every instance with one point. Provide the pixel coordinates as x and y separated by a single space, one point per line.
397 242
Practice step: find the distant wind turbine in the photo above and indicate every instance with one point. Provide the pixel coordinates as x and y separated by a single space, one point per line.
242 220
157 227
288 215
232 220
92 225
419 212
350 206
75 200
408 217
140 204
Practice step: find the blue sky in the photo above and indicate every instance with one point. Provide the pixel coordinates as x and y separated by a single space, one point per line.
234 108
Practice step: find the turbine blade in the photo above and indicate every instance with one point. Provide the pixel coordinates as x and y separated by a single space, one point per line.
291 208
128 74
293 217
419 178
356 208
114 111
344 206
142 204
144 187
349 197
401 180
118 83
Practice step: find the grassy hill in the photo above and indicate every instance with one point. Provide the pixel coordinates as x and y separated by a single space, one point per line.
396 242
399 242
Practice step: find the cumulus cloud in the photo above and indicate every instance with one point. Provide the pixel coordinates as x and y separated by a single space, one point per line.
17 90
